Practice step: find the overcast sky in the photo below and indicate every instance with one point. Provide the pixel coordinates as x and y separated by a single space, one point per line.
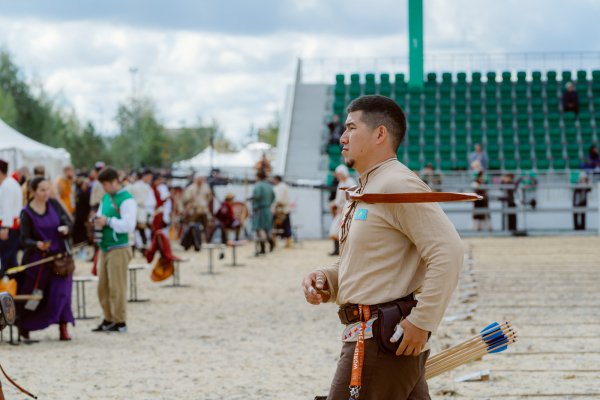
231 60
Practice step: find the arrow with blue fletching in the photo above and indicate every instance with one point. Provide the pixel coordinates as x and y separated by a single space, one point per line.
495 338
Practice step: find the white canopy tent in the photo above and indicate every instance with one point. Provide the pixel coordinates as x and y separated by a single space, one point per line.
19 150
235 164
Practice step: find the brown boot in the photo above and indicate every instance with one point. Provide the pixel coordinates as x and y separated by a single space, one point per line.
64 335
288 243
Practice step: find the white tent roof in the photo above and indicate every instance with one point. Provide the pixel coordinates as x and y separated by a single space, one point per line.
19 150
228 162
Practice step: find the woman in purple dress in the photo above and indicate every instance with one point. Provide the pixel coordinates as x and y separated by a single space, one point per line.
44 229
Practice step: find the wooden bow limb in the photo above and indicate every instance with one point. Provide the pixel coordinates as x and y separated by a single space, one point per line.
20 268
424 197
15 384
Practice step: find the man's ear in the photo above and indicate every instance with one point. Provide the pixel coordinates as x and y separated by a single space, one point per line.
382 133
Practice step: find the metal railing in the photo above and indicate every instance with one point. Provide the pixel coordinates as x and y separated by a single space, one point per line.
323 70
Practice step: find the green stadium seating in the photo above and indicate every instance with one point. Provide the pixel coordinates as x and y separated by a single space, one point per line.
430 91
587 133
569 119
507 121
414 136
445 151
537 105
566 77
339 106
556 150
340 87
539 135
491 89
429 121
445 136
334 151
460 106
462 165
445 121
400 87
385 89
584 101
506 106
370 84
429 151
333 165
429 136
524 150
461 150
494 164
555 134
414 165
543 164
445 92
492 136
491 121
523 135
553 119
491 105
475 121
446 79
506 91
538 120
414 151
430 105
522 77
521 91
446 165
540 150
522 106
491 76
493 150
414 120
508 150
506 76
445 106
571 134
475 105
510 164
414 104
460 136
535 89
526 164
508 136
476 77
476 136
431 79
461 78
536 76
552 104
575 163
551 76
523 121
460 91
559 164
596 75
573 150
355 90
475 90
460 121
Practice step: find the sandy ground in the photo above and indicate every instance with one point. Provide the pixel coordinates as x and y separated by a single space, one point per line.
247 332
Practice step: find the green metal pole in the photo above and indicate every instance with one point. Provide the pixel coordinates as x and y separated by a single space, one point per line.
415 43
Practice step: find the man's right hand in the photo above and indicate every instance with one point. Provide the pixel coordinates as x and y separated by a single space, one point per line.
310 286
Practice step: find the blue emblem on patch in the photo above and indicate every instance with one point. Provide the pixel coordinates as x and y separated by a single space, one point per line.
361 214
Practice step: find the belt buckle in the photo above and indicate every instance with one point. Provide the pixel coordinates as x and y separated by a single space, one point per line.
343 316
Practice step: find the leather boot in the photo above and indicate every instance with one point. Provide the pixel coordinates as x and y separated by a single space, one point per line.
336 248
288 243
273 242
64 335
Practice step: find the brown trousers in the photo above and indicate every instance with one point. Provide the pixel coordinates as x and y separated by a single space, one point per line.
112 283
384 377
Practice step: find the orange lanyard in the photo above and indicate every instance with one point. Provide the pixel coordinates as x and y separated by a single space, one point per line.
359 352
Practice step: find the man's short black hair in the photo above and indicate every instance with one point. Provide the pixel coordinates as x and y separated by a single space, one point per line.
108 175
261 175
277 178
380 110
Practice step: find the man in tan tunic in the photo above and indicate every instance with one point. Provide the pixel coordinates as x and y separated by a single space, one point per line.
387 252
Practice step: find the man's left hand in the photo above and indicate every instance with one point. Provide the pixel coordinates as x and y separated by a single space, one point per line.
413 341
100 221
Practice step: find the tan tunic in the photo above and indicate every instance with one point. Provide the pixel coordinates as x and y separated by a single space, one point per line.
398 249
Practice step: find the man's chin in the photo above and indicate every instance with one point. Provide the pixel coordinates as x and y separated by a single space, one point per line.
349 162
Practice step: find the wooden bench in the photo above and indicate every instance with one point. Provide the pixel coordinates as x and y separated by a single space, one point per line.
133 269
211 247
176 272
295 233
80 281
233 244
22 298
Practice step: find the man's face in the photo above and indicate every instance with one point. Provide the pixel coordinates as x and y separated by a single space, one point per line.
276 181
357 139
199 181
478 148
111 187
147 178
70 173
570 88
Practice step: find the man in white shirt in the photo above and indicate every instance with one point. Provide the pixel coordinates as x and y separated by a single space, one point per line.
142 194
281 210
11 204
343 176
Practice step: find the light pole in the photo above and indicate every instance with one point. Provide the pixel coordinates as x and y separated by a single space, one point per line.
133 71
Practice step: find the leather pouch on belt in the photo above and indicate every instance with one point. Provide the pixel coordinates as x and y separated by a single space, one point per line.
388 317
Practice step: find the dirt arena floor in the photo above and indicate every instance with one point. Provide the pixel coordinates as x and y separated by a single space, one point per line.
247 332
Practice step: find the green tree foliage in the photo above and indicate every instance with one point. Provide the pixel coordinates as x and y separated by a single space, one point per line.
8 112
269 134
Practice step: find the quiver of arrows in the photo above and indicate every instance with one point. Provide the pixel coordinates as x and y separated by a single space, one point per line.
493 339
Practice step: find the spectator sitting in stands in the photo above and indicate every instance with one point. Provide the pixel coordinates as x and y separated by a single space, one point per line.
570 99
336 129
478 155
592 161
429 176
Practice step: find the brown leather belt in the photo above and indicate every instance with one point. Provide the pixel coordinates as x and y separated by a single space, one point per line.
350 314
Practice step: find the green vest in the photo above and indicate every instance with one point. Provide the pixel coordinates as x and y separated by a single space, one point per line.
110 239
